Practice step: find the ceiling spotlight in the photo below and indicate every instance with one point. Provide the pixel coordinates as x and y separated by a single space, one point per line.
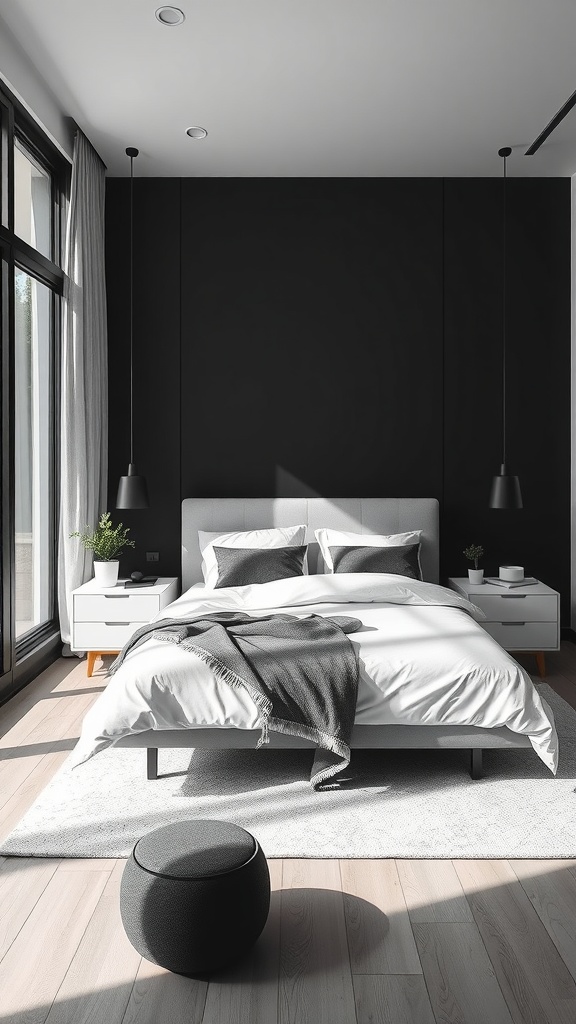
196 133
170 16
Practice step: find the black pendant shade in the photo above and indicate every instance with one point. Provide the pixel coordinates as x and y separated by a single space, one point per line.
505 491
132 489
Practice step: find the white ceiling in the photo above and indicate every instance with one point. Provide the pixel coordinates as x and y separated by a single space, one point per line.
311 87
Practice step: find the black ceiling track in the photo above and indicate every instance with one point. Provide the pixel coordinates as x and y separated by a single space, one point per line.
559 116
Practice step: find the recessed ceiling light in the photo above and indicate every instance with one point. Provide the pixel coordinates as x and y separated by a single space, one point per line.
170 16
196 133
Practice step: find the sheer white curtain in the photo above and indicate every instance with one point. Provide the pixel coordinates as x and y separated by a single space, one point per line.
84 376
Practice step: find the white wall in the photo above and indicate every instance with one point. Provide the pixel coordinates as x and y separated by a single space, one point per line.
22 78
573 414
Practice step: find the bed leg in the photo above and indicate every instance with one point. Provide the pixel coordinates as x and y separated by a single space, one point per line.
152 763
476 763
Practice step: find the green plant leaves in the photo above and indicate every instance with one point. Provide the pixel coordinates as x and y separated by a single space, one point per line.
106 541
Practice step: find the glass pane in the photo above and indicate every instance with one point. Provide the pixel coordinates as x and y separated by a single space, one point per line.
32 201
33 452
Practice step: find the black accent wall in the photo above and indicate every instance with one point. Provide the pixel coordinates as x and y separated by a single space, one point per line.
344 337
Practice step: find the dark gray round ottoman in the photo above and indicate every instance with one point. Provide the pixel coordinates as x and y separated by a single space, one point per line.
195 895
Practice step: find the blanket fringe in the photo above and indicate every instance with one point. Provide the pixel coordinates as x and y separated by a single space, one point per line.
265 734
264 705
306 732
223 672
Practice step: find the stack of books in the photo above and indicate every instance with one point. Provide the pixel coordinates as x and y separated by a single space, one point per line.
510 584
146 581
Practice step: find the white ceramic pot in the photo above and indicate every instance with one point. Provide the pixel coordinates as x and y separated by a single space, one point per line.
513 573
106 573
476 576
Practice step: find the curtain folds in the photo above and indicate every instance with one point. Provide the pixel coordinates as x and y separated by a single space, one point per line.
84 376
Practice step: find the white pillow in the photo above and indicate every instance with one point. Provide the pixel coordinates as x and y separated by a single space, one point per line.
280 537
339 538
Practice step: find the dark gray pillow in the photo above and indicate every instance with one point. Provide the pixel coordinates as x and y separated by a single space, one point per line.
237 567
403 559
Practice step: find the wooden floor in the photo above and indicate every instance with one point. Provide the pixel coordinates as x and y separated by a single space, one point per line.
405 942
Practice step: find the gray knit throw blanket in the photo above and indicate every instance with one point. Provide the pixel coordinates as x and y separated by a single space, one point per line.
302 673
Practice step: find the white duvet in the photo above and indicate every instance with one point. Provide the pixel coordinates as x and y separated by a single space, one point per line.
424 660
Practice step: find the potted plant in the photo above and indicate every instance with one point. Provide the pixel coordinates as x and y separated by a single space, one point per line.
474 552
107 542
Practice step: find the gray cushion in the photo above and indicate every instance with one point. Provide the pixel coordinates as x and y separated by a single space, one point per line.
402 559
238 567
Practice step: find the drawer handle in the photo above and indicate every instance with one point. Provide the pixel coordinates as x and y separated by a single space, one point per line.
516 597
116 623
118 597
512 623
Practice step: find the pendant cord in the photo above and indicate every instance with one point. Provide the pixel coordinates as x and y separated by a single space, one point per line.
504 318
131 309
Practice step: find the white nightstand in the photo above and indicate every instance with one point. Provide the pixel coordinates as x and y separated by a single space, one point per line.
520 618
104 618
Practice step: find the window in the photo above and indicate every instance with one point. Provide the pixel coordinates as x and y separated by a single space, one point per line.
32 201
33 523
32 180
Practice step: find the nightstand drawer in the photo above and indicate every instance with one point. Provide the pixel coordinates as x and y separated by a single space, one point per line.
524 636
103 636
517 607
118 606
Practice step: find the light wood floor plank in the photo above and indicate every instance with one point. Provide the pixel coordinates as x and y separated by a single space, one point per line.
432 891
461 982
33 968
22 799
59 684
249 991
15 769
32 726
98 983
159 997
16 730
379 930
315 978
22 882
392 999
55 677
551 890
35 772
533 977
90 864
13 774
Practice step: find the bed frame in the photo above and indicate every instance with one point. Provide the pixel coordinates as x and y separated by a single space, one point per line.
360 515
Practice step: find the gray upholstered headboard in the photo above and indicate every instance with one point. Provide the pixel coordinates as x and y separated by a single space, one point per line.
360 515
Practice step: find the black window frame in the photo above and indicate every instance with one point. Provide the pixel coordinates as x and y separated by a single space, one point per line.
23 657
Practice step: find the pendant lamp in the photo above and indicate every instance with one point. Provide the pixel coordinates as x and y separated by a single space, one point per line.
505 492
132 490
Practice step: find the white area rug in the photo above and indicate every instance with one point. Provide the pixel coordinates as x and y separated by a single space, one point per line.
415 804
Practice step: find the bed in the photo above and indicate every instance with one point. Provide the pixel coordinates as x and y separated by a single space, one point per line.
530 721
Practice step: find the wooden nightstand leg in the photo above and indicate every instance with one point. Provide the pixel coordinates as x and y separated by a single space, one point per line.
91 657
541 663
